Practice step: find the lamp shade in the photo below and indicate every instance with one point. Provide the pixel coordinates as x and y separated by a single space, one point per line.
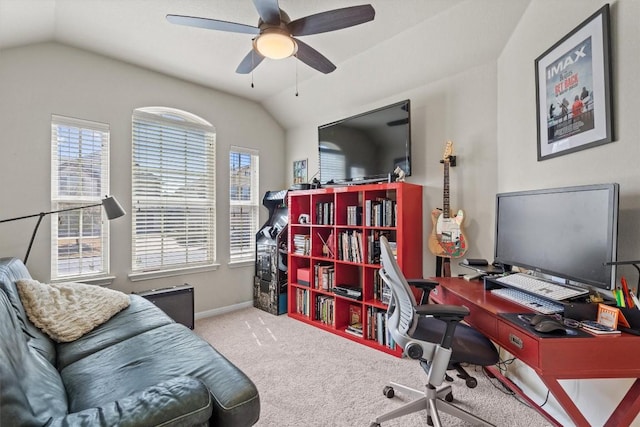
112 208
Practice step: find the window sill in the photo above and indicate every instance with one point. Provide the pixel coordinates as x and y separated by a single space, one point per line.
98 280
148 275
242 263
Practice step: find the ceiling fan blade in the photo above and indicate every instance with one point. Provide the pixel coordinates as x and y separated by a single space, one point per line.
212 24
313 58
249 63
332 20
268 10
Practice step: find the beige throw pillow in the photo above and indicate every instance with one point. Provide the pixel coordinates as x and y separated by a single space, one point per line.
66 311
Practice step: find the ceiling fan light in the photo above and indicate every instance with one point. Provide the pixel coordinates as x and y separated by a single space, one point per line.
275 44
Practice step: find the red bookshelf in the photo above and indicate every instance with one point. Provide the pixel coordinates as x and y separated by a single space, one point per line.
348 221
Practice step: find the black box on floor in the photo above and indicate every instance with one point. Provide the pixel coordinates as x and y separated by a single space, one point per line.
176 302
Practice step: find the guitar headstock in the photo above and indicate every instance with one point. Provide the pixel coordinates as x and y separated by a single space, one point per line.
448 152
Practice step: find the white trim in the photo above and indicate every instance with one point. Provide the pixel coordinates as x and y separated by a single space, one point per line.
241 263
148 275
223 310
99 281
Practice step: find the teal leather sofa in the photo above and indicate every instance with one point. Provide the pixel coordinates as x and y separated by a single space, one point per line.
140 368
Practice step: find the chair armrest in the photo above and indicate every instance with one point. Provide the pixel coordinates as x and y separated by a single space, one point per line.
177 402
443 311
451 315
425 285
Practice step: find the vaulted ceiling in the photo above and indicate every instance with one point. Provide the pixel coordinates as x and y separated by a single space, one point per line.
137 32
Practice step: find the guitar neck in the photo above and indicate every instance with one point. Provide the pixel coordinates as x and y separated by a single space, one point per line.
446 210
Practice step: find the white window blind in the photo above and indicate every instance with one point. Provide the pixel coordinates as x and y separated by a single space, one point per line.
79 177
333 163
173 190
243 201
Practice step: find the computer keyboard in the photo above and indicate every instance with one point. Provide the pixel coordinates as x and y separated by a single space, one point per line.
543 288
533 302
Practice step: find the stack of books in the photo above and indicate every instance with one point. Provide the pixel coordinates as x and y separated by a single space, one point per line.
355 321
301 244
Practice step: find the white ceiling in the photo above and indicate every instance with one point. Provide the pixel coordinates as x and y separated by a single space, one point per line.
137 32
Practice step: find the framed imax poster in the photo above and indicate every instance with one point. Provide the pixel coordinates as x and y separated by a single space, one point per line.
573 90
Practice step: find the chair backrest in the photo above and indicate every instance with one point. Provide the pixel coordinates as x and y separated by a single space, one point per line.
401 314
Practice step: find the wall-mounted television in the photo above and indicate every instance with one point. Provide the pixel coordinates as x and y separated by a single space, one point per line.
366 147
569 233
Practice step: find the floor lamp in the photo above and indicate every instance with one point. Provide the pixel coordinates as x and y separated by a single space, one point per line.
111 207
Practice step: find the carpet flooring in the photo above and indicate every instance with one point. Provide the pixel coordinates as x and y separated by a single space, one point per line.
309 377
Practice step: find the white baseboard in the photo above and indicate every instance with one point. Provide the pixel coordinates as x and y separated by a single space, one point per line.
223 310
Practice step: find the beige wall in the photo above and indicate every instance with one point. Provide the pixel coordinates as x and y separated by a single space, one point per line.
39 80
544 23
488 110
460 108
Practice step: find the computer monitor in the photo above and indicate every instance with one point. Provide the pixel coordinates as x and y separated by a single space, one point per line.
569 233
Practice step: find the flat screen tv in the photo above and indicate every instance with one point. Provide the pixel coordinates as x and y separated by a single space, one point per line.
366 147
569 233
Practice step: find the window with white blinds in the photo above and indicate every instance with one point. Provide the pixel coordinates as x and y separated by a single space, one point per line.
243 203
173 190
79 177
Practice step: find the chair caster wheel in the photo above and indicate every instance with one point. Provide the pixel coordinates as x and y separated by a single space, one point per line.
374 425
429 420
471 382
449 397
388 392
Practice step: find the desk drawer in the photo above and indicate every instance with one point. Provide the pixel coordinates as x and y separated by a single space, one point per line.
518 343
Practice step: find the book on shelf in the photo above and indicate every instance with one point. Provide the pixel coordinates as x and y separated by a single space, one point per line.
302 301
324 213
354 331
325 309
354 215
324 276
350 246
355 316
381 212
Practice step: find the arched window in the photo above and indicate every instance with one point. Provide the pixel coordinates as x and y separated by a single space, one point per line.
173 190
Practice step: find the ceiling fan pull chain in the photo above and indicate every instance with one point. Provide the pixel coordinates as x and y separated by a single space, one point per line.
252 68
296 75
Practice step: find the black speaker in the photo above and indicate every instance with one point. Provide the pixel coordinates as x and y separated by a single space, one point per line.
176 302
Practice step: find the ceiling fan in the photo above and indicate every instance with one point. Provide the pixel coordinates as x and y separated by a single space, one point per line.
275 33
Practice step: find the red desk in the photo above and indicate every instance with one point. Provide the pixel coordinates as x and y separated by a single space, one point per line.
553 359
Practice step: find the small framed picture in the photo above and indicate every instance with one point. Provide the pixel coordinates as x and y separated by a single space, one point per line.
573 90
300 171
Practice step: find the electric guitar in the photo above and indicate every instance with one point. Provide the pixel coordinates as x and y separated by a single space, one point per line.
447 239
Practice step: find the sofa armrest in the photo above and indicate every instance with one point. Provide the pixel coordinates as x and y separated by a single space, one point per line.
181 401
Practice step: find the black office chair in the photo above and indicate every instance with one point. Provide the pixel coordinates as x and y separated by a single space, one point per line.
432 334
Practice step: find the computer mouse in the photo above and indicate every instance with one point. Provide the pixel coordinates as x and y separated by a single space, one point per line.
538 318
550 326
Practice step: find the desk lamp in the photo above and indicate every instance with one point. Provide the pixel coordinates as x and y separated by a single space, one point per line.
635 264
111 207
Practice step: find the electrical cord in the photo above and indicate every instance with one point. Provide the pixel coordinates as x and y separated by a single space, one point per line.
502 367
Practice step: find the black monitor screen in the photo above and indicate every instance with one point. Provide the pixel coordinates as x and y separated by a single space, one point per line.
564 232
367 146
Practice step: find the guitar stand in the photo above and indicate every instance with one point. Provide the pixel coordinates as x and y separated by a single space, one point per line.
443 267
452 161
